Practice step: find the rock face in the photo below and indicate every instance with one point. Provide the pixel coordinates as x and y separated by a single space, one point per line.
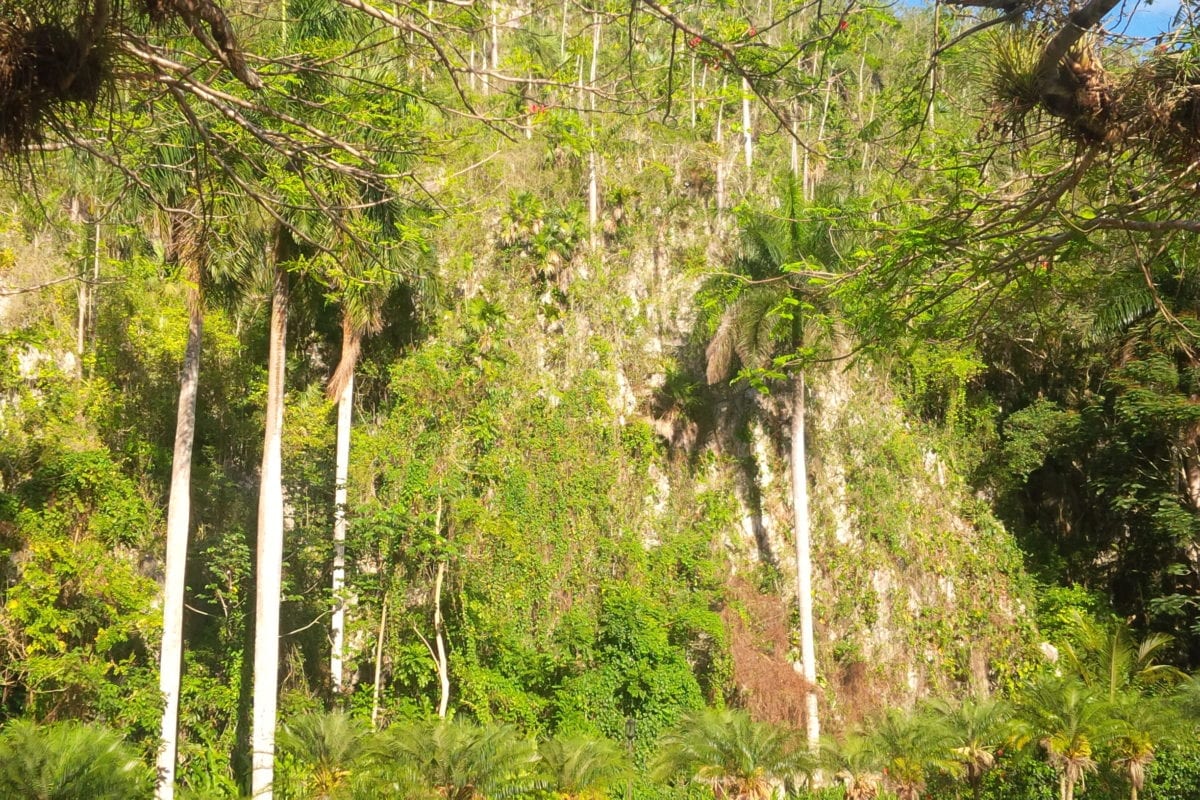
919 590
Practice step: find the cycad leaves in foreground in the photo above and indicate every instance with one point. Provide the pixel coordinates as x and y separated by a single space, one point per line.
461 760
913 745
855 762
69 761
976 730
582 767
1066 719
731 753
326 746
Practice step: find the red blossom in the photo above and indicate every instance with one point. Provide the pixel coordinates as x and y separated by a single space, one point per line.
693 42
752 32
843 25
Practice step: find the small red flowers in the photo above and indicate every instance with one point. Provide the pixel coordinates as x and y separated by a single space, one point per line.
537 108
843 25
752 32
693 42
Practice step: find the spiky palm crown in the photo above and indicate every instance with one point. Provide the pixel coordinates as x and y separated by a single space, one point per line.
768 312
329 744
726 749
68 761
462 760
582 766
976 729
1065 718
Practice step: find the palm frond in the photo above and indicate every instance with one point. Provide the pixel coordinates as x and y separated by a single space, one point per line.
575 765
463 760
67 761
730 752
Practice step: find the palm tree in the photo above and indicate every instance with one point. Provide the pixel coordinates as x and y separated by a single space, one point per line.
582 767
1108 659
328 745
176 176
912 744
1187 699
462 760
363 290
777 254
855 761
269 569
184 241
976 731
1067 720
733 755
69 761
1141 725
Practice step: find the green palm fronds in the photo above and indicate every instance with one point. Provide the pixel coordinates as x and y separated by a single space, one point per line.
1066 719
855 761
912 744
328 745
748 332
732 754
69 761
976 731
462 760
582 767
1108 659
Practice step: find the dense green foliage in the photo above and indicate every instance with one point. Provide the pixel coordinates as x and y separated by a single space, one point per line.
522 232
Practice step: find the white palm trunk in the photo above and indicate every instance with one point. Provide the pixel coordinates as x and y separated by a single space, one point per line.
443 663
593 169
178 518
718 139
341 473
804 595
747 125
270 556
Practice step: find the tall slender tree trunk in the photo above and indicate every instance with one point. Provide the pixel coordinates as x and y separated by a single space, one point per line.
718 139
270 546
747 127
178 519
562 39
804 598
342 386
439 633
593 167
378 663
341 472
